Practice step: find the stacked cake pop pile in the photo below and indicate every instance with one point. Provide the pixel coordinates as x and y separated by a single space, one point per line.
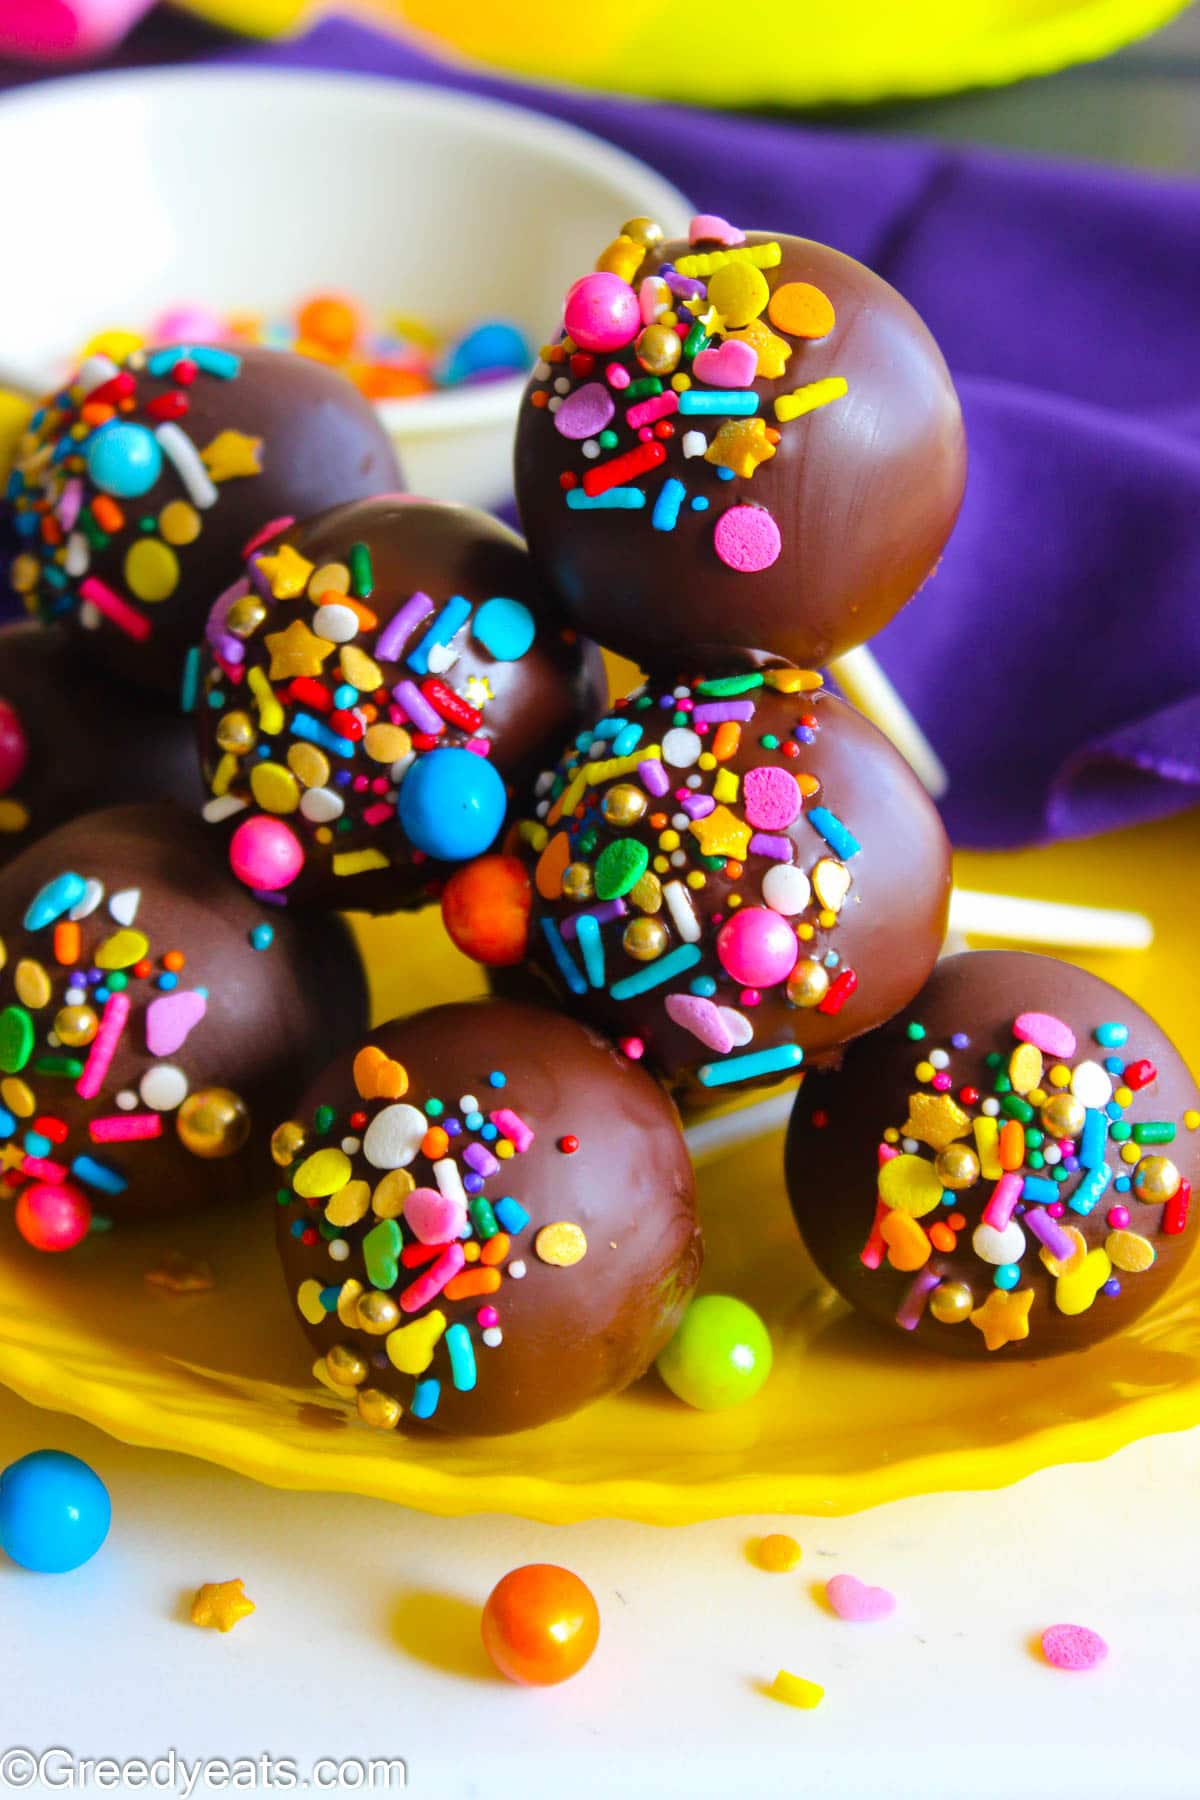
740 457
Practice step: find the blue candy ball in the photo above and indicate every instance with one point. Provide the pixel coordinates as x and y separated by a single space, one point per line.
54 1512
124 460
495 345
451 804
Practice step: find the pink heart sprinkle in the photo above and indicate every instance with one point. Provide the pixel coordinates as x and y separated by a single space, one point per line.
852 1599
711 228
1073 1647
432 1217
732 364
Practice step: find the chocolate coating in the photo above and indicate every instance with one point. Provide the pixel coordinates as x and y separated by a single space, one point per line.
753 824
425 559
573 1330
862 492
282 437
840 1122
84 740
266 1021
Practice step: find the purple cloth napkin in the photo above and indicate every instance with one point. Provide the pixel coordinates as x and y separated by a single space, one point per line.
1055 658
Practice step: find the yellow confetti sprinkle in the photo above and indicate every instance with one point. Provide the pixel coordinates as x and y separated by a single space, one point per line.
359 669
410 1349
274 788
349 1204
221 1605
323 1173
330 578
18 1096
808 398
14 817
308 1299
270 710
386 743
179 522
32 984
387 1202
151 570
1074 1292
358 862
310 766
1025 1068
794 1690
777 1553
794 681
561 1244
1129 1251
122 950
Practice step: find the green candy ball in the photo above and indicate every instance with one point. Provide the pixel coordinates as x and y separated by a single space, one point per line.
719 1357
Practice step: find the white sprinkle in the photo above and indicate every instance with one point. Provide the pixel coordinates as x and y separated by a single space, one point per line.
590 448
517 1270
123 907
90 616
352 1145
127 1100
339 1249
449 1180
680 821
163 1088
683 913
786 889
78 555
991 1107
223 807
183 455
75 996
541 370
93 894
909 1146
335 623
492 1336
940 1059
394 1136
681 747
562 384
679 859
320 805
94 372
694 443
468 1104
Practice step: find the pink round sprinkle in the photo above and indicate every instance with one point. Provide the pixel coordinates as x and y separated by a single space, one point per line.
488 1316
602 312
586 412
266 854
1118 1217
1050 1035
433 1217
771 797
1073 1647
14 747
633 1048
757 948
942 1082
746 538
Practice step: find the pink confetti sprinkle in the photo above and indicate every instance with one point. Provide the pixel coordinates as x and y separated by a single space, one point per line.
746 538
853 1600
171 1019
1046 1032
584 413
1073 1647
772 798
732 364
691 1012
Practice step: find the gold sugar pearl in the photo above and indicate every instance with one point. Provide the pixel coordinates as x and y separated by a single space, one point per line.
213 1122
646 232
377 1313
378 1409
1063 1116
645 939
658 350
562 1244
1156 1179
951 1303
346 1365
624 804
75 1026
577 881
808 983
957 1167
237 733
287 1141
245 616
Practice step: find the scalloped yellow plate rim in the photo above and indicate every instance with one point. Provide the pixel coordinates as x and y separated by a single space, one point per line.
848 1420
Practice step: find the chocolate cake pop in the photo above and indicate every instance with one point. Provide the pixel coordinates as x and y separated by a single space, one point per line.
73 739
371 689
1006 1166
139 485
152 1016
748 444
733 875
487 1219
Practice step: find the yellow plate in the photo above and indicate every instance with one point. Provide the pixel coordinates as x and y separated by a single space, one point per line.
843 1423
779 51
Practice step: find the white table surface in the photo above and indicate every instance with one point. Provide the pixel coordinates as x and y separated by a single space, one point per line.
365 1641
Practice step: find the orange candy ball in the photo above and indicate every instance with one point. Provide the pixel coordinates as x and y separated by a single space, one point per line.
485 909
540 1625
329 322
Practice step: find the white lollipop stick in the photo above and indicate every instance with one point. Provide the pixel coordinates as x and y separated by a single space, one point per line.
1048 922
866 686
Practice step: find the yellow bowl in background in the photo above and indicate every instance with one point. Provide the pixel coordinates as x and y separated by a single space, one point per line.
779 51
845 1422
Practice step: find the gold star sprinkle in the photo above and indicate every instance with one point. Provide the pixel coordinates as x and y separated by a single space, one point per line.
722 833
772 351
297 651
286 571
935 1119
741 445
220 1605
231 455
479 691
179 1274
1004 1318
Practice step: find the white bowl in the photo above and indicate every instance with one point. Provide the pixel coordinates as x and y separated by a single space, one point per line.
249 189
